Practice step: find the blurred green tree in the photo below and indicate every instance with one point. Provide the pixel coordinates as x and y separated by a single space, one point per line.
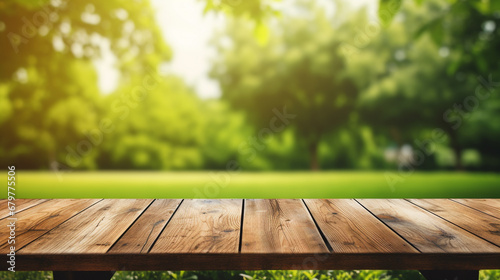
432 80
157 125
296 72
47 80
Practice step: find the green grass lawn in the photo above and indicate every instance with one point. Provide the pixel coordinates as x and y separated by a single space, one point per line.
342 184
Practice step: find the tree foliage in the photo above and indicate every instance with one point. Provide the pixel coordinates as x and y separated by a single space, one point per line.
49 83
295 71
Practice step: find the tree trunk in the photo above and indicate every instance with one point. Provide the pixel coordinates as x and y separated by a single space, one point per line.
396 136
313 155
457 150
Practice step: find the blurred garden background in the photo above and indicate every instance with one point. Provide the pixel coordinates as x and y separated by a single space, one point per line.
280 85
251 99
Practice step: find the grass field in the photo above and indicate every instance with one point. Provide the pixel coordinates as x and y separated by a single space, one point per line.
215 184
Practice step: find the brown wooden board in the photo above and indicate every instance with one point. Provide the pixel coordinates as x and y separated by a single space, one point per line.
36 221
237 261
472 220
202 226
278 226
20 205
91 231
3 207
140 236
488 206
350 228
427 232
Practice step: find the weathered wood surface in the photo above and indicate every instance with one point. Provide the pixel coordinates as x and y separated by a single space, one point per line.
467 218
36 221
143 233
427 232
279 226
91 231
349 228
19 205
147 234
202 226
488 206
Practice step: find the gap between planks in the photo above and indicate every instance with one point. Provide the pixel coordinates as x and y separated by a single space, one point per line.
241 225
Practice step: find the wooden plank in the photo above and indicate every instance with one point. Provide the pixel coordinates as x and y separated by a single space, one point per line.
3 204
36 221
349 228
279 225
427 232
140 236
92 231
489 206
20 204
472 220
202 226
259 261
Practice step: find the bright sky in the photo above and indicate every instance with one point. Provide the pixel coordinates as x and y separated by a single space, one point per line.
187 31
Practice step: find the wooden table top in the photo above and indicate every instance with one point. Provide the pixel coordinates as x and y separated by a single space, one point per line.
199 234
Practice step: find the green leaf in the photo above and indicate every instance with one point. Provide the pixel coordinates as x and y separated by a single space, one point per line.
387 9
494 6
434 28
246 276
437 31
424 28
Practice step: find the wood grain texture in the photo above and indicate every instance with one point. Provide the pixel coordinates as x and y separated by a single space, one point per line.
202 226
20 204
350 228
91 231
3 206
36 221
427 232
489 206
278 226
472 220
140 236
